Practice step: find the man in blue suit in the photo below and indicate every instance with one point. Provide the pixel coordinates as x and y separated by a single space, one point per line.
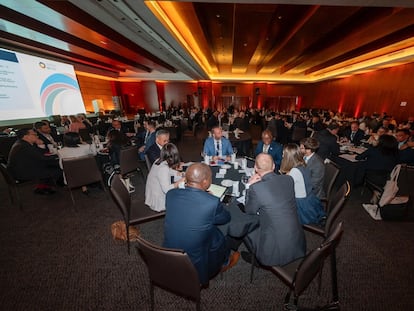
217 146
190 224
268 145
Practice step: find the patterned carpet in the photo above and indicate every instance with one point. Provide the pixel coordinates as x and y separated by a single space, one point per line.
53 258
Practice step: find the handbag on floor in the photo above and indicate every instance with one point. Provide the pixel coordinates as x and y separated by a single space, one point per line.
118 230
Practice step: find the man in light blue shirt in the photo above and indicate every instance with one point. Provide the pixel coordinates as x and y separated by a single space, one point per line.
217 146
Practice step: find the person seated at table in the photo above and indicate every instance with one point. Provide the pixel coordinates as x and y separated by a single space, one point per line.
116 140
315 124
314 164
354 134
386 124
88 124
75 124
380 160
117 126
162 137
217 146
268 145
44 134
73 148
160 175
373 139
328 141
279 239
191 219
27 162
309 206
146 138
405 152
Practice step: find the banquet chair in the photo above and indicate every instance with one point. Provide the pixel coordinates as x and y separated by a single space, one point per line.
335 205
170 269
298 274
139 214
80 172
85 135
13 186
129 162
298 133
331 173
148 163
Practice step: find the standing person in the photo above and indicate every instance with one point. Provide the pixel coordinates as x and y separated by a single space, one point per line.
310 209
314 164
162 137
217 146
147 138
191 219
279 239
159 177
328 141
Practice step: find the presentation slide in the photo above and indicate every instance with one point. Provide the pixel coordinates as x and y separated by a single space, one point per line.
34 87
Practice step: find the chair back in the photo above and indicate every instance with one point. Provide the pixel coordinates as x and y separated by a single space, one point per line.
331 172
313 262
148 162
128 160
81 171
170 269
298 133
7 176
85 135
121 196
335 205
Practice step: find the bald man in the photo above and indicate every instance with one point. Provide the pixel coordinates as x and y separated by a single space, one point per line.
190 224
279 239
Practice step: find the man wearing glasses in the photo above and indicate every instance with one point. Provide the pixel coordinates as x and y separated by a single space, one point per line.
217 146
27 162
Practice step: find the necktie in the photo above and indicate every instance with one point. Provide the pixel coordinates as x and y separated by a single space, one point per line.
265 148
217 148
352 135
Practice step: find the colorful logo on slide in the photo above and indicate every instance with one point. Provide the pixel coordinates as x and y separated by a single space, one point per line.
53 91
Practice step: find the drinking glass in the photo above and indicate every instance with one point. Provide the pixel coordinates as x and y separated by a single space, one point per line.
244 179
234 150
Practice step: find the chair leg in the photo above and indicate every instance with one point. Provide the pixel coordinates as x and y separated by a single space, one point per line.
252 267
152 295
71 195
198 305
335 295
127 236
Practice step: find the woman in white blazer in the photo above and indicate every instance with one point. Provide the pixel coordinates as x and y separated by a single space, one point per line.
159 177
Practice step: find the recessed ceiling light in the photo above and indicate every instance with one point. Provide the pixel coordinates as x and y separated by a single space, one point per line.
245 44
218 15
103 42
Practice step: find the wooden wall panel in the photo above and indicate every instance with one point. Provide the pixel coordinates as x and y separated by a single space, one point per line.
92 88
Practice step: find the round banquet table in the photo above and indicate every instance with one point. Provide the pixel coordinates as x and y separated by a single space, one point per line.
240 223
243 143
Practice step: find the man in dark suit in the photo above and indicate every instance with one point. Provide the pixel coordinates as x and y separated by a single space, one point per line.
268 145
279 239
327 138
27 162
190 224
44 134
162 137
353 134
146 139
314 163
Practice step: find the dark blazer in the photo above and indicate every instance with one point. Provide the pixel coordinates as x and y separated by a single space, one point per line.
328 146
27 162
190 224
275 150
316 168
153 153
359 134
280 238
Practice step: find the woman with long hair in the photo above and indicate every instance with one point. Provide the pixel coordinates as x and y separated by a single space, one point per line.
310 209
160 177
